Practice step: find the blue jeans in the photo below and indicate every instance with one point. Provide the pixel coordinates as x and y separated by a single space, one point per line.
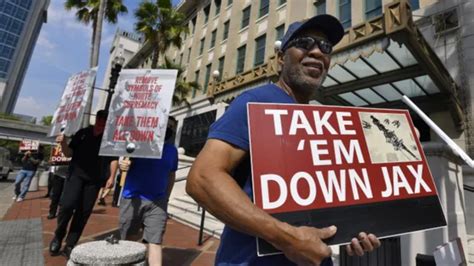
23 177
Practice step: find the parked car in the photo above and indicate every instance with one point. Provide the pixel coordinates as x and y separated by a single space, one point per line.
6 166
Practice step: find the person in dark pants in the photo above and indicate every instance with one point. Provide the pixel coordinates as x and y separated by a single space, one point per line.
83 183
59 174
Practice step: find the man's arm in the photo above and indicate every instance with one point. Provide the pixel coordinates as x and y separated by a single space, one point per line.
113 173
211 185
62 140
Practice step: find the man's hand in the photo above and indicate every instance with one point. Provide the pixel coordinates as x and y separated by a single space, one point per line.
110 182
60 138
124 165
27 153
362 243
306 246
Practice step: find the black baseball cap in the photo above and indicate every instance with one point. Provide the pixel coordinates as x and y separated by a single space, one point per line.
327 24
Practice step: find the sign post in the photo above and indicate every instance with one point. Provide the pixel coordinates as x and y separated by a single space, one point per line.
361 169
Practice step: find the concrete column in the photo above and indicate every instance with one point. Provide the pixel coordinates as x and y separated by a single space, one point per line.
468 174
448 176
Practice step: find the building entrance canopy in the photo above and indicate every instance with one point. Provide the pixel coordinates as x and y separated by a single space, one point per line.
375 64
387 57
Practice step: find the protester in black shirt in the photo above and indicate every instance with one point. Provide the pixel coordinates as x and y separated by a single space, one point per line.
30 162
83 183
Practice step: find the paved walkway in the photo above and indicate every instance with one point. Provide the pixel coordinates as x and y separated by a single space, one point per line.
180 241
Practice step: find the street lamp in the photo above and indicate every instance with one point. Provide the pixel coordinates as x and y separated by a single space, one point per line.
117 64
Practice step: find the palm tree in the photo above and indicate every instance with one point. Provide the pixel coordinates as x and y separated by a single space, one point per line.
182 88
162 26
46 120
87 12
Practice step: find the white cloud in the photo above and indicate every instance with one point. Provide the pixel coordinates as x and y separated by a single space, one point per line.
34 107
47 46
66 20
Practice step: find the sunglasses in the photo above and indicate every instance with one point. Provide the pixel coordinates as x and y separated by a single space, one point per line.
309 43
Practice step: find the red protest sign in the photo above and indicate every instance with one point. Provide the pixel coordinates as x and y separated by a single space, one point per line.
58 157
29 145
360 169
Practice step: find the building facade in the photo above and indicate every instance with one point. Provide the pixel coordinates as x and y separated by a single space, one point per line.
124 46
419 48
20 25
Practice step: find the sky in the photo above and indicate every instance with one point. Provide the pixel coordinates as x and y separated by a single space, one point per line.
62 49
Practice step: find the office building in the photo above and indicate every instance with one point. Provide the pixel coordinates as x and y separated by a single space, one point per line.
419 48
20 25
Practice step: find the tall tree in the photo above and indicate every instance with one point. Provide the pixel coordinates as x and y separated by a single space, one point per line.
162 25
182 88
46 120
87 12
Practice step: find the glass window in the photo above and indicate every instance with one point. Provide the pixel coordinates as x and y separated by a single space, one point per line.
280 30
263 8
245 17
218 6
206 81
21 14
320 7
240 59
213 39
181 59
415 4
281 2
11 39
194 132
373 8
201 48
226 30
4 20
229 2
189 55
259 50
345 15
220 68
206 13
193 24
9 8
196 79
16 26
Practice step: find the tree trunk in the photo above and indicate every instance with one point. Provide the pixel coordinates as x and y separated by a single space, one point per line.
91 55
98 33
156 56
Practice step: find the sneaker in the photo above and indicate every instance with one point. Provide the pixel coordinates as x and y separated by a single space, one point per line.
14 198
19 200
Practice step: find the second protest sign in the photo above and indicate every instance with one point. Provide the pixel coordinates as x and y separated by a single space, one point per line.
138 113
360 169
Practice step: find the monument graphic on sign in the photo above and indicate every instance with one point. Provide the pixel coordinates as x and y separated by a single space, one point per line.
360 169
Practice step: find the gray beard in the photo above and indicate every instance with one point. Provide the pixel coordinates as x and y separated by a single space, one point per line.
302 85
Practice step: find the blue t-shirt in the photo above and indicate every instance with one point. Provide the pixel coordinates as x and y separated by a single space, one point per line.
237 248
148 178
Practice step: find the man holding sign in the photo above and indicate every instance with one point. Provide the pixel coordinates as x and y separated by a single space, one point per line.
81 188
145 196
220 177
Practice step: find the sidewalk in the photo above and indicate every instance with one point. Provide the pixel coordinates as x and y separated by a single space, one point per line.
180 241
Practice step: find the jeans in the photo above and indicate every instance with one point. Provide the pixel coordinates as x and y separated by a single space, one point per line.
23 177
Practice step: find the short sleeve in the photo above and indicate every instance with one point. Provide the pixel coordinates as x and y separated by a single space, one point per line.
174 167
232 127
